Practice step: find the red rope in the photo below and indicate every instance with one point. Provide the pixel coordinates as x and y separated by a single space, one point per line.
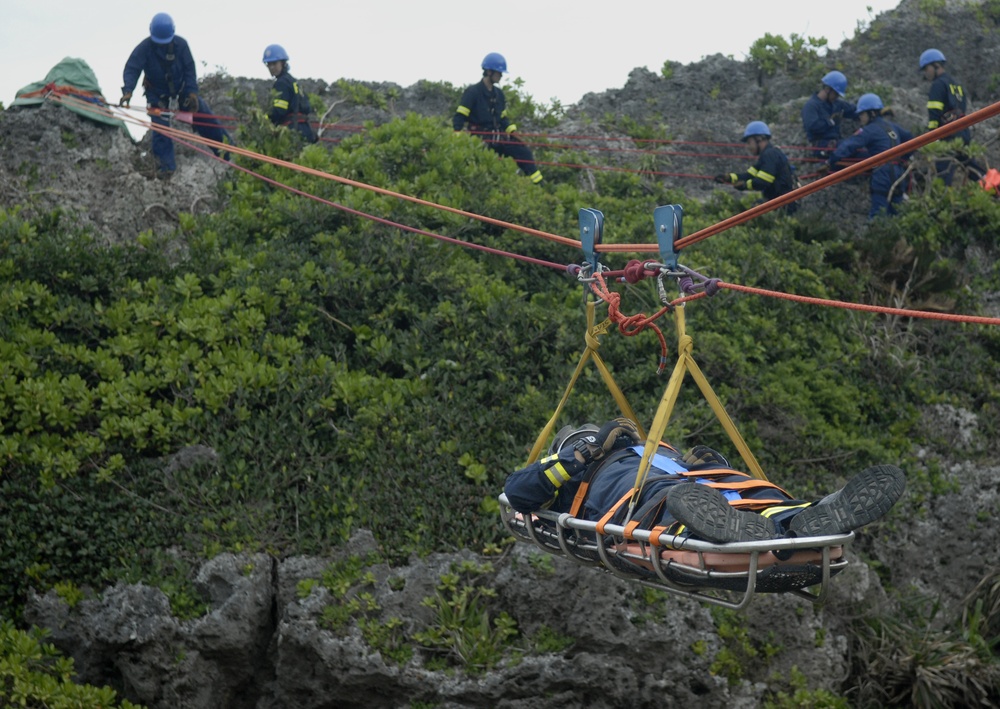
630 325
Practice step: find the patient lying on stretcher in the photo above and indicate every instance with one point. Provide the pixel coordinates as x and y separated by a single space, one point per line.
590 472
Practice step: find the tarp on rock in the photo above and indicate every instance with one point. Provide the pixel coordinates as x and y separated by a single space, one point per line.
70 77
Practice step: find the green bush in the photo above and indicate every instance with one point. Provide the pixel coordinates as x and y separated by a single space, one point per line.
33 674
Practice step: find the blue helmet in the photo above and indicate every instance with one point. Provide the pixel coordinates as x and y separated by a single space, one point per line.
756 128
161 29
495 62
836 81
275 53
929 56
870 102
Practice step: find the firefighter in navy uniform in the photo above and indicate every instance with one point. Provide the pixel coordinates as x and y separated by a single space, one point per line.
484 107
875 136
290 106
823 112
771 174
168 69
946 103
699 489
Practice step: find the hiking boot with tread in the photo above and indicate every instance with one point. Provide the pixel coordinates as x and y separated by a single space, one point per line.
865 498
706 514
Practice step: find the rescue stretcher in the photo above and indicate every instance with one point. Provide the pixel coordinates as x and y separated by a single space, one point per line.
726 575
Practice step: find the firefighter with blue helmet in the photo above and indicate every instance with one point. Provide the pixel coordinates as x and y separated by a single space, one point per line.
946 102
824 111
164 59
876 135
772 174
289 105
484 107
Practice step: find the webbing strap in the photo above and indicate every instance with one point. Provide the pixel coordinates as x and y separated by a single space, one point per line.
686 364
590 352
611 513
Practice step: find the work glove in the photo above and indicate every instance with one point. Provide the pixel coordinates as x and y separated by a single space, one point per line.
722 179
124 101
191 103
614 435
703 455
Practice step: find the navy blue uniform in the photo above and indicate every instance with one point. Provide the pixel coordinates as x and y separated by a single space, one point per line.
945 103
877 137
821 120
169 72
290 106
485 109
553 482
771 174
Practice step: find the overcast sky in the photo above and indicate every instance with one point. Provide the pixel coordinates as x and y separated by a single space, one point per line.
561 49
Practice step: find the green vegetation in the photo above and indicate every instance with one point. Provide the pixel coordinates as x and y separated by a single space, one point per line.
799 56
917 659
281 374
33 674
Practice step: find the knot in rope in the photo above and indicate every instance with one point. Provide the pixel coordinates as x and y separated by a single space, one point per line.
629 325
712 286
685 344
635 271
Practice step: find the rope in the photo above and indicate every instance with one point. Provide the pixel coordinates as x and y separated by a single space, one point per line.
632 273
380 220
222 147
630 325
832 179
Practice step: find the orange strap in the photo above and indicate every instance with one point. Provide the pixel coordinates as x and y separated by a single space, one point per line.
614 508
581 495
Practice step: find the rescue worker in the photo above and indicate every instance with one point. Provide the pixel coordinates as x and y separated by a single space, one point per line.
484 107
165 60
698 490
824 111
290 106
771 174
875 136
945 103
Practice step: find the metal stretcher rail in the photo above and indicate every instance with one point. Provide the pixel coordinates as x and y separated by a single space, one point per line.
684 566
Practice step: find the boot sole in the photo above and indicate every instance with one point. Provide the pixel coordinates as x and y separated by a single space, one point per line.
707 514
865 498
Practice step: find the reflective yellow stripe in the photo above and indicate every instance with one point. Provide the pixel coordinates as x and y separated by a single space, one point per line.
503 113
931 125
748 184
733 178
536 176
766 176
557 475
771 511
279 103
464 111
935 105
511 128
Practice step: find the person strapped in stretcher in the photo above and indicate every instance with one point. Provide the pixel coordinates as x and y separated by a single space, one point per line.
590 472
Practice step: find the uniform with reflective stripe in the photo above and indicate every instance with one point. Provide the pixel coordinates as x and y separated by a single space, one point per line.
485 110
945 103
877 137
771 174
290 107
552 482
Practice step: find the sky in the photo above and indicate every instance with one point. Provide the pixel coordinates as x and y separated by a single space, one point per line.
560 49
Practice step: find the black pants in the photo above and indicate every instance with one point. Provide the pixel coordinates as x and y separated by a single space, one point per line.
512 147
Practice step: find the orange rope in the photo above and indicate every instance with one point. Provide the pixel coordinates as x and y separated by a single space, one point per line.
236 150
839 176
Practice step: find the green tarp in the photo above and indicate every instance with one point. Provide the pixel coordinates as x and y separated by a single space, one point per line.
72 77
